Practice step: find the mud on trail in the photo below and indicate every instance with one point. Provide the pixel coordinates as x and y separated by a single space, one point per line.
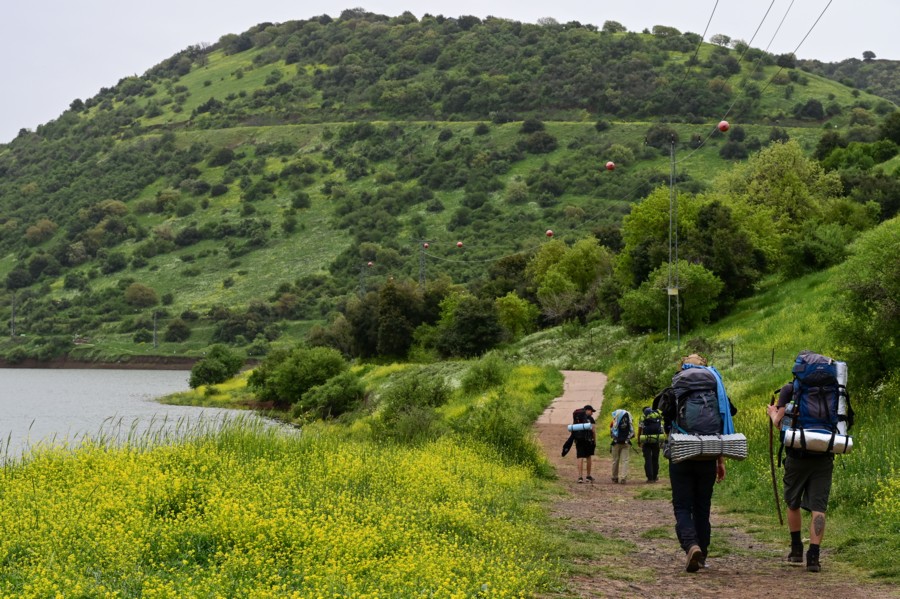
629 536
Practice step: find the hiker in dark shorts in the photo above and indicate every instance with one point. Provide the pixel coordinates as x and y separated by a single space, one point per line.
807 486
584 449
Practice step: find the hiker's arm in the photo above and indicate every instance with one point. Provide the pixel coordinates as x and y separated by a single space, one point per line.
720 469
775 414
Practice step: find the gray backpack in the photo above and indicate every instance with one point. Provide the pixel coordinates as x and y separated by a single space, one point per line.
697 402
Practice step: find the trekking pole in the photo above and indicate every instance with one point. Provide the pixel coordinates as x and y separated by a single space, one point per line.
772 464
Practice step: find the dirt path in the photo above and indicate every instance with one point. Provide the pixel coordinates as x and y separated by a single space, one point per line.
634 526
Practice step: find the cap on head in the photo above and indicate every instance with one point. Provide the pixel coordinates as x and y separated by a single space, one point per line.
589 407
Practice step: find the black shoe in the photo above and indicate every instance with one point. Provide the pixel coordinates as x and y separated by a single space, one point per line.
692 563
795 557
615 480
580 480
812 563
589 479
702 560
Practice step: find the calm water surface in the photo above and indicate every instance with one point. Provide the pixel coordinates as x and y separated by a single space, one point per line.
46 405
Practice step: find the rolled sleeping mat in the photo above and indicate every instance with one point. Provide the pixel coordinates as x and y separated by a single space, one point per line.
843 401
706 447
817 441
581 426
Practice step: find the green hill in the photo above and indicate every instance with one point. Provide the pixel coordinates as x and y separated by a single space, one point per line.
254 180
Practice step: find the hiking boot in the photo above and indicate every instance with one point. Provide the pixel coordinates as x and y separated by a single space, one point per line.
580 480
589 479
795 557
692 563
812 563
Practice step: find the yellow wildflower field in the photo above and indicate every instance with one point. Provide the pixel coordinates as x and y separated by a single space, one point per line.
255 511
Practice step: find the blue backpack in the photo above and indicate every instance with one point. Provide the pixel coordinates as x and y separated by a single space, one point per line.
816 392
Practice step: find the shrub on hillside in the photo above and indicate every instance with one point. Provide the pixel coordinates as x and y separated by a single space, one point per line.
219 365
487 373
337 395
285 376
177 331
140 296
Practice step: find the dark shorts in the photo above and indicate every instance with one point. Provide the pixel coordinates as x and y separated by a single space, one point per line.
584 448
807 482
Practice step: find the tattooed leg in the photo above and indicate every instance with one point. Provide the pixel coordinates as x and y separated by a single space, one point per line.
818 528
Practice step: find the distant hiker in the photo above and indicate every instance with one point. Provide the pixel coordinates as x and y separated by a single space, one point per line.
814 401
584 437
695 404
621 431
649 437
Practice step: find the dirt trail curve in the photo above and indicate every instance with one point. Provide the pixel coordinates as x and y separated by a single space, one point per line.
640 514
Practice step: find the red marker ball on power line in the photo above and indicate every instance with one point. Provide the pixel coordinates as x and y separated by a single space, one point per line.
610 166
549 232
724 126
459 244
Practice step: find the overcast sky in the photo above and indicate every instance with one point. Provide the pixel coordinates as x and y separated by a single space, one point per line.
54 51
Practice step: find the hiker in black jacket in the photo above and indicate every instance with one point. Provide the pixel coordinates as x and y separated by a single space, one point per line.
585 448
692 479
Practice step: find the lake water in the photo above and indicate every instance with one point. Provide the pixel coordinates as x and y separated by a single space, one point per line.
49 405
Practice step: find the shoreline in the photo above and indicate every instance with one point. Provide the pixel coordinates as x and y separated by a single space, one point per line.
132 363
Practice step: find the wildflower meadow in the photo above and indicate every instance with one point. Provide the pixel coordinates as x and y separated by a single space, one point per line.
247 510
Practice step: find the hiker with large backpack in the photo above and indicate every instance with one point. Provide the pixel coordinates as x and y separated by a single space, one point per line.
649 438
584 436
813 411
695 404
621 430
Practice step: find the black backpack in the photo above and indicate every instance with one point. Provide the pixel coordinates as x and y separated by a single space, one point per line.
579 416
651 426
697 402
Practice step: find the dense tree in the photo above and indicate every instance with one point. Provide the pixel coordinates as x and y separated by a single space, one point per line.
468 326
517 316
141 296
217 366
285 376
869 318
646 308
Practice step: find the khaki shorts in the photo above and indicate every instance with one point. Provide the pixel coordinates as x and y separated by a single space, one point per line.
807 482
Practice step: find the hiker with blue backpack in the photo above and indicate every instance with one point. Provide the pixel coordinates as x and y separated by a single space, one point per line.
621 430
814 413
696 408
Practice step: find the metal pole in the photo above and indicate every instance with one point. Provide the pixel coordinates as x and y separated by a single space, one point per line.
669 284
12 321
677 281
